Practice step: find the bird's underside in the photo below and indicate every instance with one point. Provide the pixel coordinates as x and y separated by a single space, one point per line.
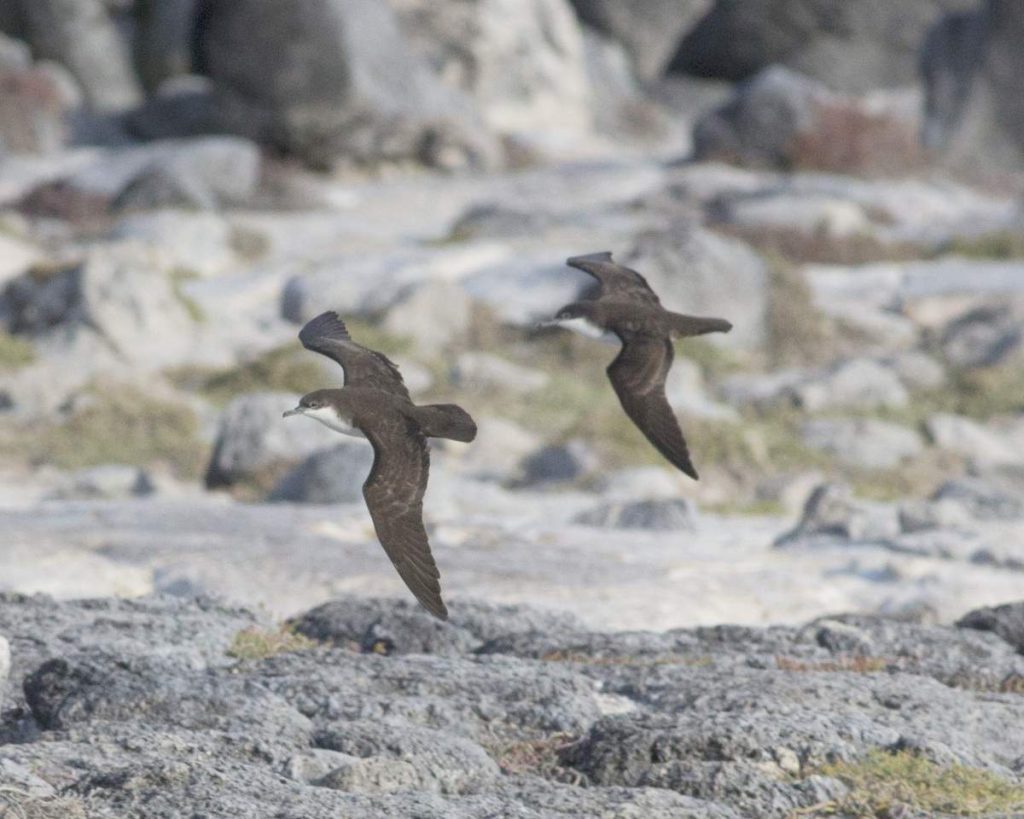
627 306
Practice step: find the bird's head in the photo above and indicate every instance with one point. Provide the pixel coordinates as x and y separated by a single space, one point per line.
578 316
310 403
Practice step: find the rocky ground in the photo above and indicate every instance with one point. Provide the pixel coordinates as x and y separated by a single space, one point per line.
163 707
845 188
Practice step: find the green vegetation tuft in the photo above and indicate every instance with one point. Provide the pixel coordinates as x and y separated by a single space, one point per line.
179 278
257 644
999 245
882 783
116 425
797 331
714 361
15 352
288 369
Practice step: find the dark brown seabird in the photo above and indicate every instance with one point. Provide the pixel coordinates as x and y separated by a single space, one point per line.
627 306
375 404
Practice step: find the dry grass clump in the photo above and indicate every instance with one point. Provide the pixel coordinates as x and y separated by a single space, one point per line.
822 246
17 804
569 656
257 644
884 784
540 757
798 333
856 663
848 139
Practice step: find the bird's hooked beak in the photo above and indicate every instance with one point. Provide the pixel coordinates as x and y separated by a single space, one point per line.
296 411
543 325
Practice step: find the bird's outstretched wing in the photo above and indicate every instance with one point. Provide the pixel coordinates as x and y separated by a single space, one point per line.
638 375
615 280
326 334
394 495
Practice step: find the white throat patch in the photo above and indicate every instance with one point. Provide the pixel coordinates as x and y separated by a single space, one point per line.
329 418
581 325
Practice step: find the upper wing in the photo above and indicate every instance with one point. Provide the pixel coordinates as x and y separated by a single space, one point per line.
614 278
394 495
638 375
327 335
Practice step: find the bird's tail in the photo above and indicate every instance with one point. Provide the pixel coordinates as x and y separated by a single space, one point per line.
445 421
683 326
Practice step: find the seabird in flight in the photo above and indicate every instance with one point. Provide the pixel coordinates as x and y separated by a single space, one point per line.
374 403
627 306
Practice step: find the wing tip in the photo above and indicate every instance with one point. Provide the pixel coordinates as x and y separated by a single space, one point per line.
435 607
327 325
589 258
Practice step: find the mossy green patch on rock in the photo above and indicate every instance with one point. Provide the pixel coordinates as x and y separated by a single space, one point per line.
881 782
117 424
287 369
257 644
179 278
797 332
15 352
999 245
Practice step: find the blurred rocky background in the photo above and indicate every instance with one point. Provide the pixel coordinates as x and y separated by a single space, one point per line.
184 182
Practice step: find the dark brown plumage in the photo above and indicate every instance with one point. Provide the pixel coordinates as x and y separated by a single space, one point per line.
626 305
375 403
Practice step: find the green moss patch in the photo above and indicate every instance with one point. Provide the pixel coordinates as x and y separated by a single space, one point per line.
1000 245
881 783
15 352
258 644
116 425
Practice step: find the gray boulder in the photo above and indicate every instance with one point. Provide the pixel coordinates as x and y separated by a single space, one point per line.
698 272
385 758
973 114
207 172
650 30
107 482
522 62
858 382
986 336
833 513
164 39
36 105
414 315
865 443
981 443
559 463
407 628
982 499
184 106
782 119
118 306
254 439
333 476
663 515
333 80
1007 621
486 372
852 47
81 35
